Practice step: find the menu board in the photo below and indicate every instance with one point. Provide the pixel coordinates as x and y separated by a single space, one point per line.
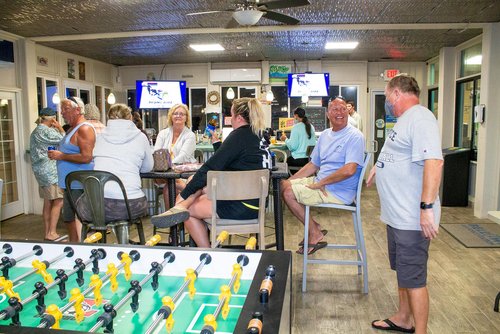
317 117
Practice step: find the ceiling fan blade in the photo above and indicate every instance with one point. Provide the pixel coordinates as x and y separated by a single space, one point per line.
280 18
278 4
232 24
210 12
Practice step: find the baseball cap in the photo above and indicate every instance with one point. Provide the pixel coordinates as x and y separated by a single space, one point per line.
47 112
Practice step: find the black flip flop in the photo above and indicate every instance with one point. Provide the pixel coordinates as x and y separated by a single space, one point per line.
392 327
325 232
315 247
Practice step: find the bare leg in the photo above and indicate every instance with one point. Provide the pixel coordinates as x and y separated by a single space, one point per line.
47 206
74 230
200 207
298 210
55 212
403 316
419 303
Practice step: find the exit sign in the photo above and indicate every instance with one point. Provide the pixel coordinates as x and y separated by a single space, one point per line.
389 74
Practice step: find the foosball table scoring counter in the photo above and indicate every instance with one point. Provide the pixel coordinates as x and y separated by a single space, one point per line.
137 289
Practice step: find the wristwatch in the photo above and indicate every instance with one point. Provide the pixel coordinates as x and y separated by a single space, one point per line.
425 206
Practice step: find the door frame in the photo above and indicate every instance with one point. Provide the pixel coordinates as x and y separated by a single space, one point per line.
21 205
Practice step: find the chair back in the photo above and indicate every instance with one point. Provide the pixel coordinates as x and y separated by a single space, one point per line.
310 150
93 182
368 156
237 185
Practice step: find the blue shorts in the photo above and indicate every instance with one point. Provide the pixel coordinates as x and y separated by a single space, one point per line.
408 254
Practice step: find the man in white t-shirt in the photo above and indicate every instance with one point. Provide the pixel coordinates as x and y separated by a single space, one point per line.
337 159
354 116
408 173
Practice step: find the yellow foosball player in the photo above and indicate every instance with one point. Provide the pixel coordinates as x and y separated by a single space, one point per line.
96 283
53 316
41 268
168 302
126 268
191 277
154 240
225 296
113 272
8 287
77 297
251 243
93 238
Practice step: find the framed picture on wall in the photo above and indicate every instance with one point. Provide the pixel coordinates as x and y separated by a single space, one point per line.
71 69
81 70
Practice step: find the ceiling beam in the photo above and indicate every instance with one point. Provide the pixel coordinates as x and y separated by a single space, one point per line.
256 29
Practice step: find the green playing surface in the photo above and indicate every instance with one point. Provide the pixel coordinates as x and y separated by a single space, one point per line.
188 314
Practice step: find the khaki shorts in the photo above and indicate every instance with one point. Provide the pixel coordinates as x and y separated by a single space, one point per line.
51 192
308 196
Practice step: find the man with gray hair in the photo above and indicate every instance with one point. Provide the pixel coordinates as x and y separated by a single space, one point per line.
93 116
75 153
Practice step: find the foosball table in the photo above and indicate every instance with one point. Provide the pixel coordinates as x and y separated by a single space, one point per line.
138 289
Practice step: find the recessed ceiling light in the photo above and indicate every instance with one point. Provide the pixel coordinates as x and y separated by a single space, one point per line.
206 47
341 45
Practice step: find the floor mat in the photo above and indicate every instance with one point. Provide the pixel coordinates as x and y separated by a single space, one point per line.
475 235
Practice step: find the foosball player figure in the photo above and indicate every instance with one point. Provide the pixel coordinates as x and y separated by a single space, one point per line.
52 317
8 288
63 278
41 268
191 277
166 312
251 243
210 324
113 272
41 291
136 287
78 298
225 292
79 267
125 258
236 271
266 286
107 318
96 283
12 311
255 324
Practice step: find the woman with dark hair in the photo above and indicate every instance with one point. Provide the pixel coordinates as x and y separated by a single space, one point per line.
301 136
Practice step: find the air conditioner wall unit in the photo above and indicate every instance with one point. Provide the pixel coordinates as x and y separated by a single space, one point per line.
236 75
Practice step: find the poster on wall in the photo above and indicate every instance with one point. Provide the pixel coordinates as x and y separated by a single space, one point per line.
71 69
278 73
42 61
81 70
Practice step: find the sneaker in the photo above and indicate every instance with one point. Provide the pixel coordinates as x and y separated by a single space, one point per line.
173 216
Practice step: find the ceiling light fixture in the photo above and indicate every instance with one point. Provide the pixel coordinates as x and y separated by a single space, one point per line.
111 98
230 93
206 47
341 45
247 17
56 99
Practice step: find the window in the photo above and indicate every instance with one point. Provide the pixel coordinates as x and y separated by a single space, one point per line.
197 103
470 61
433 101
279 106
348 92
45 89
433 74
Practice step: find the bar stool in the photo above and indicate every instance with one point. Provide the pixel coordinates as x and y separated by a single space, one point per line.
355 209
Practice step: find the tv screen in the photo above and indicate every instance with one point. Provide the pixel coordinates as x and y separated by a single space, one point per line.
160 94
310 84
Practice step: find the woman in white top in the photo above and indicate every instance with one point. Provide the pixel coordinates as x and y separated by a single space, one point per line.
179 140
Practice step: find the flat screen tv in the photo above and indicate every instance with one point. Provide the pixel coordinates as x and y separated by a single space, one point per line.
310 84
160 94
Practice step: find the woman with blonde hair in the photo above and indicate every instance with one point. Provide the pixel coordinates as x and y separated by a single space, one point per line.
179 141
123 150
243 149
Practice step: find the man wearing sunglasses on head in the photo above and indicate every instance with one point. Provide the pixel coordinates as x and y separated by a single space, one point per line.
337 160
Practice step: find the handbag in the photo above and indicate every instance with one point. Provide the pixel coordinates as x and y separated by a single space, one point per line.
162 160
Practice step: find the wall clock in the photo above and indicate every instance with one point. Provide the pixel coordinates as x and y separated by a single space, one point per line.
213 97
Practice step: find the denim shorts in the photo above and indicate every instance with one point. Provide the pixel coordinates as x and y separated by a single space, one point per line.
408 254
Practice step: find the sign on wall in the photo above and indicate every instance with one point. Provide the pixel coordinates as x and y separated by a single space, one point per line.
278 73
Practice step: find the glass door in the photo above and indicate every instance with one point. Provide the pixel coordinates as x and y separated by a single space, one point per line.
12 196
465 127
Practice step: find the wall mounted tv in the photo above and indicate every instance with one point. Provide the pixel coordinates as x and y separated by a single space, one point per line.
160 94
310 84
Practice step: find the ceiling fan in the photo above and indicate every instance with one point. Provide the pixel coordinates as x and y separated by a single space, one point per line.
249 12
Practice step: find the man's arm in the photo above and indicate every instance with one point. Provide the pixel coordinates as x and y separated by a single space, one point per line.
306 171
85 137
432 179
340 174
